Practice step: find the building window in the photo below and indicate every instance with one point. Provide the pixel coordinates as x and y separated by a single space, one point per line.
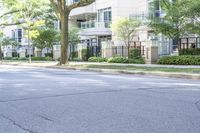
154 9
105 16
19 38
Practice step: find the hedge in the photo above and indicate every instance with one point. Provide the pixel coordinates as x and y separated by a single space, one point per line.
7 58
32 58
41 58
97 59
180 60
136 61
134 53
118 60
190 51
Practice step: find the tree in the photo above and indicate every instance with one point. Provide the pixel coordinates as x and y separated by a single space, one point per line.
125 30
174 22
193 15
45 38
63 9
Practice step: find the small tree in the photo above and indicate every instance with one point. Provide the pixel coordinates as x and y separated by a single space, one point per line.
125 30
5 41
63 9
45 38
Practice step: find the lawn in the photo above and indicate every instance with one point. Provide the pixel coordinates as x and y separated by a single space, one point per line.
139 68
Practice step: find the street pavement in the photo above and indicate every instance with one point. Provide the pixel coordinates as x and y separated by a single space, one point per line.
43 100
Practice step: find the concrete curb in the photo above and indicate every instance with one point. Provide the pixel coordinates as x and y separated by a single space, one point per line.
109 71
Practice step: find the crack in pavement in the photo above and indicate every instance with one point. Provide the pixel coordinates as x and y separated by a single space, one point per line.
44 117
18 125
74 94
84 93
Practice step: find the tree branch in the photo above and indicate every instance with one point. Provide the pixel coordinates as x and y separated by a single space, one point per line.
11 24
8 13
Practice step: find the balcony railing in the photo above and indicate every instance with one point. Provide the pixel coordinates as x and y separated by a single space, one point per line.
94 24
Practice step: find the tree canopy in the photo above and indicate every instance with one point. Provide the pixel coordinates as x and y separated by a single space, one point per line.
125 29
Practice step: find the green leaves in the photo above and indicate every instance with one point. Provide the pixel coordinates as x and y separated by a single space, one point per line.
7 41
125 29
181 16
45 38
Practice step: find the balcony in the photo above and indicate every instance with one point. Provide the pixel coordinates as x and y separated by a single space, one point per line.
83 11
93 28
94 24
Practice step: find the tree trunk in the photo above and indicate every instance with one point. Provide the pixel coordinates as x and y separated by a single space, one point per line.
52 52
128 49
64 38
0 53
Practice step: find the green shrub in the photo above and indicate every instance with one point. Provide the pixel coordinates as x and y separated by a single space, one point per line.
22 58
7 58
117 60
41 58
190 51
136 61
49 55
134 53
74 55
48 58
97 59
180 60
76 59
85 54
15 58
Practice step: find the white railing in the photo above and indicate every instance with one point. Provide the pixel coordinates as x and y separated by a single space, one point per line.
94 24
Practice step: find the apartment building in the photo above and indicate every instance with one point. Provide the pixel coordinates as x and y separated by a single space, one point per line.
94 21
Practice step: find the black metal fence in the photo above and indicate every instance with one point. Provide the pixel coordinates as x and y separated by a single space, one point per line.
123 50
189 42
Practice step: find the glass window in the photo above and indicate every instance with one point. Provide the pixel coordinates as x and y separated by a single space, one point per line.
19 35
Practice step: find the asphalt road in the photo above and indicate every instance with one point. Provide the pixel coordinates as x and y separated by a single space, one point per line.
40 100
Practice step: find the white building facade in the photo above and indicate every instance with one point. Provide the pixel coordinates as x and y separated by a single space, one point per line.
94 21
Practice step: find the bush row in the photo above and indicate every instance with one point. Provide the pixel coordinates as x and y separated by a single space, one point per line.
117 60
14 58
97 59
133 57
180 60
42 58
190 51
126 60
33 58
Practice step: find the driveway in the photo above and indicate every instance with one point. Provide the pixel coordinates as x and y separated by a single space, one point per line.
41 100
